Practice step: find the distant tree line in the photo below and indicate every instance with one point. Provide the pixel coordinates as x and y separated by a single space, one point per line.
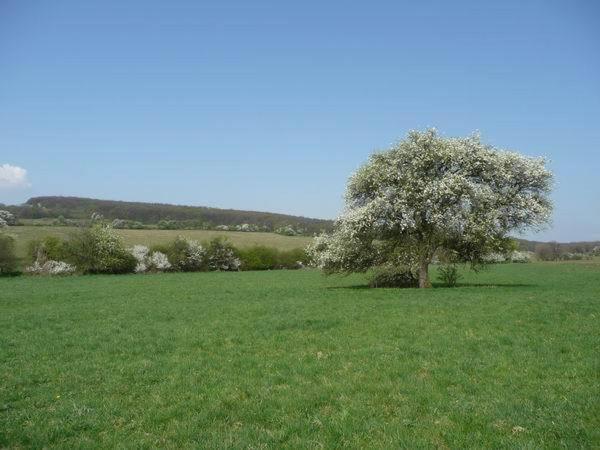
556 251
66 209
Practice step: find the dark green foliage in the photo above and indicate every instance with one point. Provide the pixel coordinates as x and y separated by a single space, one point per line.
169 225
47 248
99 250
259 258
269 258
448 274
8 259
121 224
389 276
293 259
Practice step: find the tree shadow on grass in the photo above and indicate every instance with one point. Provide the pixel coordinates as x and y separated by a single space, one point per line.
438 286
487 285
354 286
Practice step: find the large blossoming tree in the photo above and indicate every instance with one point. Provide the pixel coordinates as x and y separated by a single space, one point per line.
431 195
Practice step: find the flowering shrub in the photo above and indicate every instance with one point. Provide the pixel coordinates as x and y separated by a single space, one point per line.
159 262
96 217
140 253
6 218
221 255
521 257
149 262
568 256
185 255
515 256
287 230
494 258
50 267
100 250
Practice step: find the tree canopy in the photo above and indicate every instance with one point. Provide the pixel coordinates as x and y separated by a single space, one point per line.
430 194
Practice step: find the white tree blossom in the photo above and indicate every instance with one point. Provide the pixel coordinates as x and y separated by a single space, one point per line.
429 193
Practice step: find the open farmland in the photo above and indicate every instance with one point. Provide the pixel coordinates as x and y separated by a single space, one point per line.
291 359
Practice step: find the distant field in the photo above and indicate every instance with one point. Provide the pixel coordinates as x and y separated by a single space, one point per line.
24 234
291 359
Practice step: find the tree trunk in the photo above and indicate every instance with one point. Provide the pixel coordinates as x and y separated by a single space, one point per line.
424 275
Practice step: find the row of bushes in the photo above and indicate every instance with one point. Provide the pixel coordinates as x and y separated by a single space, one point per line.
98 249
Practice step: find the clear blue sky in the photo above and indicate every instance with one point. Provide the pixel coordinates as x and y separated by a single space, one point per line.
271 105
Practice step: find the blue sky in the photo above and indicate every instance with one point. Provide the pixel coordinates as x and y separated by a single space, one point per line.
271 105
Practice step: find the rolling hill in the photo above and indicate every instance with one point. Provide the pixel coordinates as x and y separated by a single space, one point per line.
152 213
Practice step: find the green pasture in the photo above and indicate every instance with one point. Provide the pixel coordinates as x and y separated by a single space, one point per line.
291 359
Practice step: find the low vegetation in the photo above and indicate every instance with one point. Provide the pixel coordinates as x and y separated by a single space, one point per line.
292 359
152 237
99 249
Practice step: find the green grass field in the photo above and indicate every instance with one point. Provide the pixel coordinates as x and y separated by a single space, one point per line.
24 234
291 359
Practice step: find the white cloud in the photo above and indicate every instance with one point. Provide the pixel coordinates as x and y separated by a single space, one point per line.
13 177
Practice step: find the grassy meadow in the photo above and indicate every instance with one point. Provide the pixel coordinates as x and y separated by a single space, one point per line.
292 359
26 233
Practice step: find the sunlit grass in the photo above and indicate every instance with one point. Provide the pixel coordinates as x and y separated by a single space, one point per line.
293 359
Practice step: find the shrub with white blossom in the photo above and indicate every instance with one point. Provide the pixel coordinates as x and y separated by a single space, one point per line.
494 258
99 249
50 267
6 218
429 193
159 262
96 217
140 253
186 255
514 256
287 230
521 257
149 262
221 255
